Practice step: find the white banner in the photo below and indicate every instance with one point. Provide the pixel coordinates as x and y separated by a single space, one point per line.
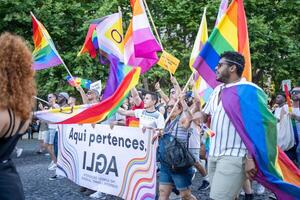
121 162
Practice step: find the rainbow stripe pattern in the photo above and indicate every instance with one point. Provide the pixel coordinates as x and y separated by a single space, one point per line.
140 45
45 54
246 106
76 81
117 72
96 112
231 34
90 44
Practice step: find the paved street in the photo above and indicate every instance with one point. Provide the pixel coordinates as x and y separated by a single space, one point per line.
34 174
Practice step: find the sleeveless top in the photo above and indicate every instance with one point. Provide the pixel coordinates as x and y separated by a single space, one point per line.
7 144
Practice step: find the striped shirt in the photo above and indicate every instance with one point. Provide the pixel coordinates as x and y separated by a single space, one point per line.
227 141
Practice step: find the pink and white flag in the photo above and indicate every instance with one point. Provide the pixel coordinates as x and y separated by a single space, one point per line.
140 47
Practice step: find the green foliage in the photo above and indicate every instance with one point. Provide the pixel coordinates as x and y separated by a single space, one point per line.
273 31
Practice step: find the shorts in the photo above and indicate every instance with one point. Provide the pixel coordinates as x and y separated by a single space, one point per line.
49 136
182 181
196 153
226 176
41 135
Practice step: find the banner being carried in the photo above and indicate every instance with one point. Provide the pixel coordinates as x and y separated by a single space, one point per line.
119 161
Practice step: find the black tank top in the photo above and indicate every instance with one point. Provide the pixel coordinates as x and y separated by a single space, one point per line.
7 144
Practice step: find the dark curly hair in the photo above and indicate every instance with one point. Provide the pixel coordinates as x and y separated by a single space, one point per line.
17 85
235 58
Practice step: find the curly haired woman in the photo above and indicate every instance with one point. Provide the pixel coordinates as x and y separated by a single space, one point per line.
17 88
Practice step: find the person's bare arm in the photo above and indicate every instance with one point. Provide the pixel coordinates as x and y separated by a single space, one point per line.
122 111
176 85
136 97
161 93
3 122
83 95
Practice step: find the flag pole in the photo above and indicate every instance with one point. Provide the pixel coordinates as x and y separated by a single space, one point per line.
155 30
184 89
41 99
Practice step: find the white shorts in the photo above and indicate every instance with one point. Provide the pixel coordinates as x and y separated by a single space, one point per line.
49 136
41 135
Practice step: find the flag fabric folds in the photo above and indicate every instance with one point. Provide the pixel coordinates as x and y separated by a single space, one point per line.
230 34
140 45
96 112
200 88
222 10
117 72
77 81
246 106
45 54
105 34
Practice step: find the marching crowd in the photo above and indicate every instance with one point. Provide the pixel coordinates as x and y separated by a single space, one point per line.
201 134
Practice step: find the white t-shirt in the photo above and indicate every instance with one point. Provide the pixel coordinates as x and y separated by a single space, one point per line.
150 119
195 137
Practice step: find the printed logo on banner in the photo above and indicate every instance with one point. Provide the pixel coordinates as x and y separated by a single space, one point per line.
120 162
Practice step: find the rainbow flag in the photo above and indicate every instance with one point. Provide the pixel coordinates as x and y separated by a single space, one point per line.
96 112
44 54
76 81
207 130
105 34
246 106
140 45
231 34
117 72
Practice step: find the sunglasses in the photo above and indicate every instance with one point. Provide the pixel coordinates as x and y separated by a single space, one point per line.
295 92
170 106
173 92
219 65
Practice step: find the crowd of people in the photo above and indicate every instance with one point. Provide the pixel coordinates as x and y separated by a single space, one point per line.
222 159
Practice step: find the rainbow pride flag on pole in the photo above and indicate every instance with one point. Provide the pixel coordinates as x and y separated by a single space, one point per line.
45 54
96 112
231 34
246 106
140 45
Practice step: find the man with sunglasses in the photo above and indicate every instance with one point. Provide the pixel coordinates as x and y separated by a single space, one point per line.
227 163
50 134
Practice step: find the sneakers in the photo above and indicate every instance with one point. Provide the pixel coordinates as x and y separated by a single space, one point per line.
55 177
19 152
260 189
204 186
52 166
272 196
97 195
